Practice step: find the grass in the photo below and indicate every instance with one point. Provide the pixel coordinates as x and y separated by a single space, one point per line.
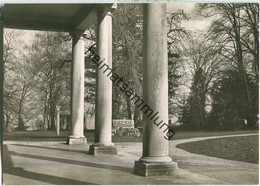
193 134
51 135
243 148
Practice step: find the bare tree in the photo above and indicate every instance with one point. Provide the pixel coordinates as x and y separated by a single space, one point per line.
50 53
12 45
235 29
205 63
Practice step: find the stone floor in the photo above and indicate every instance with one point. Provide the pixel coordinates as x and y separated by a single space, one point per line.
60 164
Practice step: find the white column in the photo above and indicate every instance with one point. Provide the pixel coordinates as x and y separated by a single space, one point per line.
77 90
103 108
155 160
58 121
1 82
103 119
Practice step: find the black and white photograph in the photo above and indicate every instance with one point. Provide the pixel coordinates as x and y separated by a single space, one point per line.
126 92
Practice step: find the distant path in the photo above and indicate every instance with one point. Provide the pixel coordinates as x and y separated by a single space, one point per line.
180 141
233 172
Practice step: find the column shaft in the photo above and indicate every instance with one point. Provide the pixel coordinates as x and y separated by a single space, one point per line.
1 83
103 108
155 78
77 91
155 160
103 117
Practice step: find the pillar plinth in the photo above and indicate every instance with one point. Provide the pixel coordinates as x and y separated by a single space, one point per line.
102 149
155 159
103 101
155 169
77 90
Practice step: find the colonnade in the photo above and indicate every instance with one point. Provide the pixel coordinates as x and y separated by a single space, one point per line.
155 159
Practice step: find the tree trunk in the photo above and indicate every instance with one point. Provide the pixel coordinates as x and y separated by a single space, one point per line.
20 121
48 121
45 111
241 67
129 112
52 108
68 122
7 122
52 117
136 115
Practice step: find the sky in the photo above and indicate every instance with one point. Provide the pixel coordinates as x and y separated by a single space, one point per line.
195 22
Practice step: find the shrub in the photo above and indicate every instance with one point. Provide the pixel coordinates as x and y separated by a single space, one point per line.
126 132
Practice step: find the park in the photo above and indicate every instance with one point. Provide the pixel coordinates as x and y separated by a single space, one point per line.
186 111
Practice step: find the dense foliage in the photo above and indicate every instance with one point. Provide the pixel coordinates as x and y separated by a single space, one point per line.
213 76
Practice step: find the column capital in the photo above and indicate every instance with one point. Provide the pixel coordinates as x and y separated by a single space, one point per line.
114 6
77 34
1 11
107 7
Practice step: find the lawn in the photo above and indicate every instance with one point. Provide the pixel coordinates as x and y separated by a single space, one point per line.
243 148
51 135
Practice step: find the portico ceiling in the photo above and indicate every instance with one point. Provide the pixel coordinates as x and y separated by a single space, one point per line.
51 17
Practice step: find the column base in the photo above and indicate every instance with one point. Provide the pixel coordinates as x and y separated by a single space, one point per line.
155 169
99 149
76 140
